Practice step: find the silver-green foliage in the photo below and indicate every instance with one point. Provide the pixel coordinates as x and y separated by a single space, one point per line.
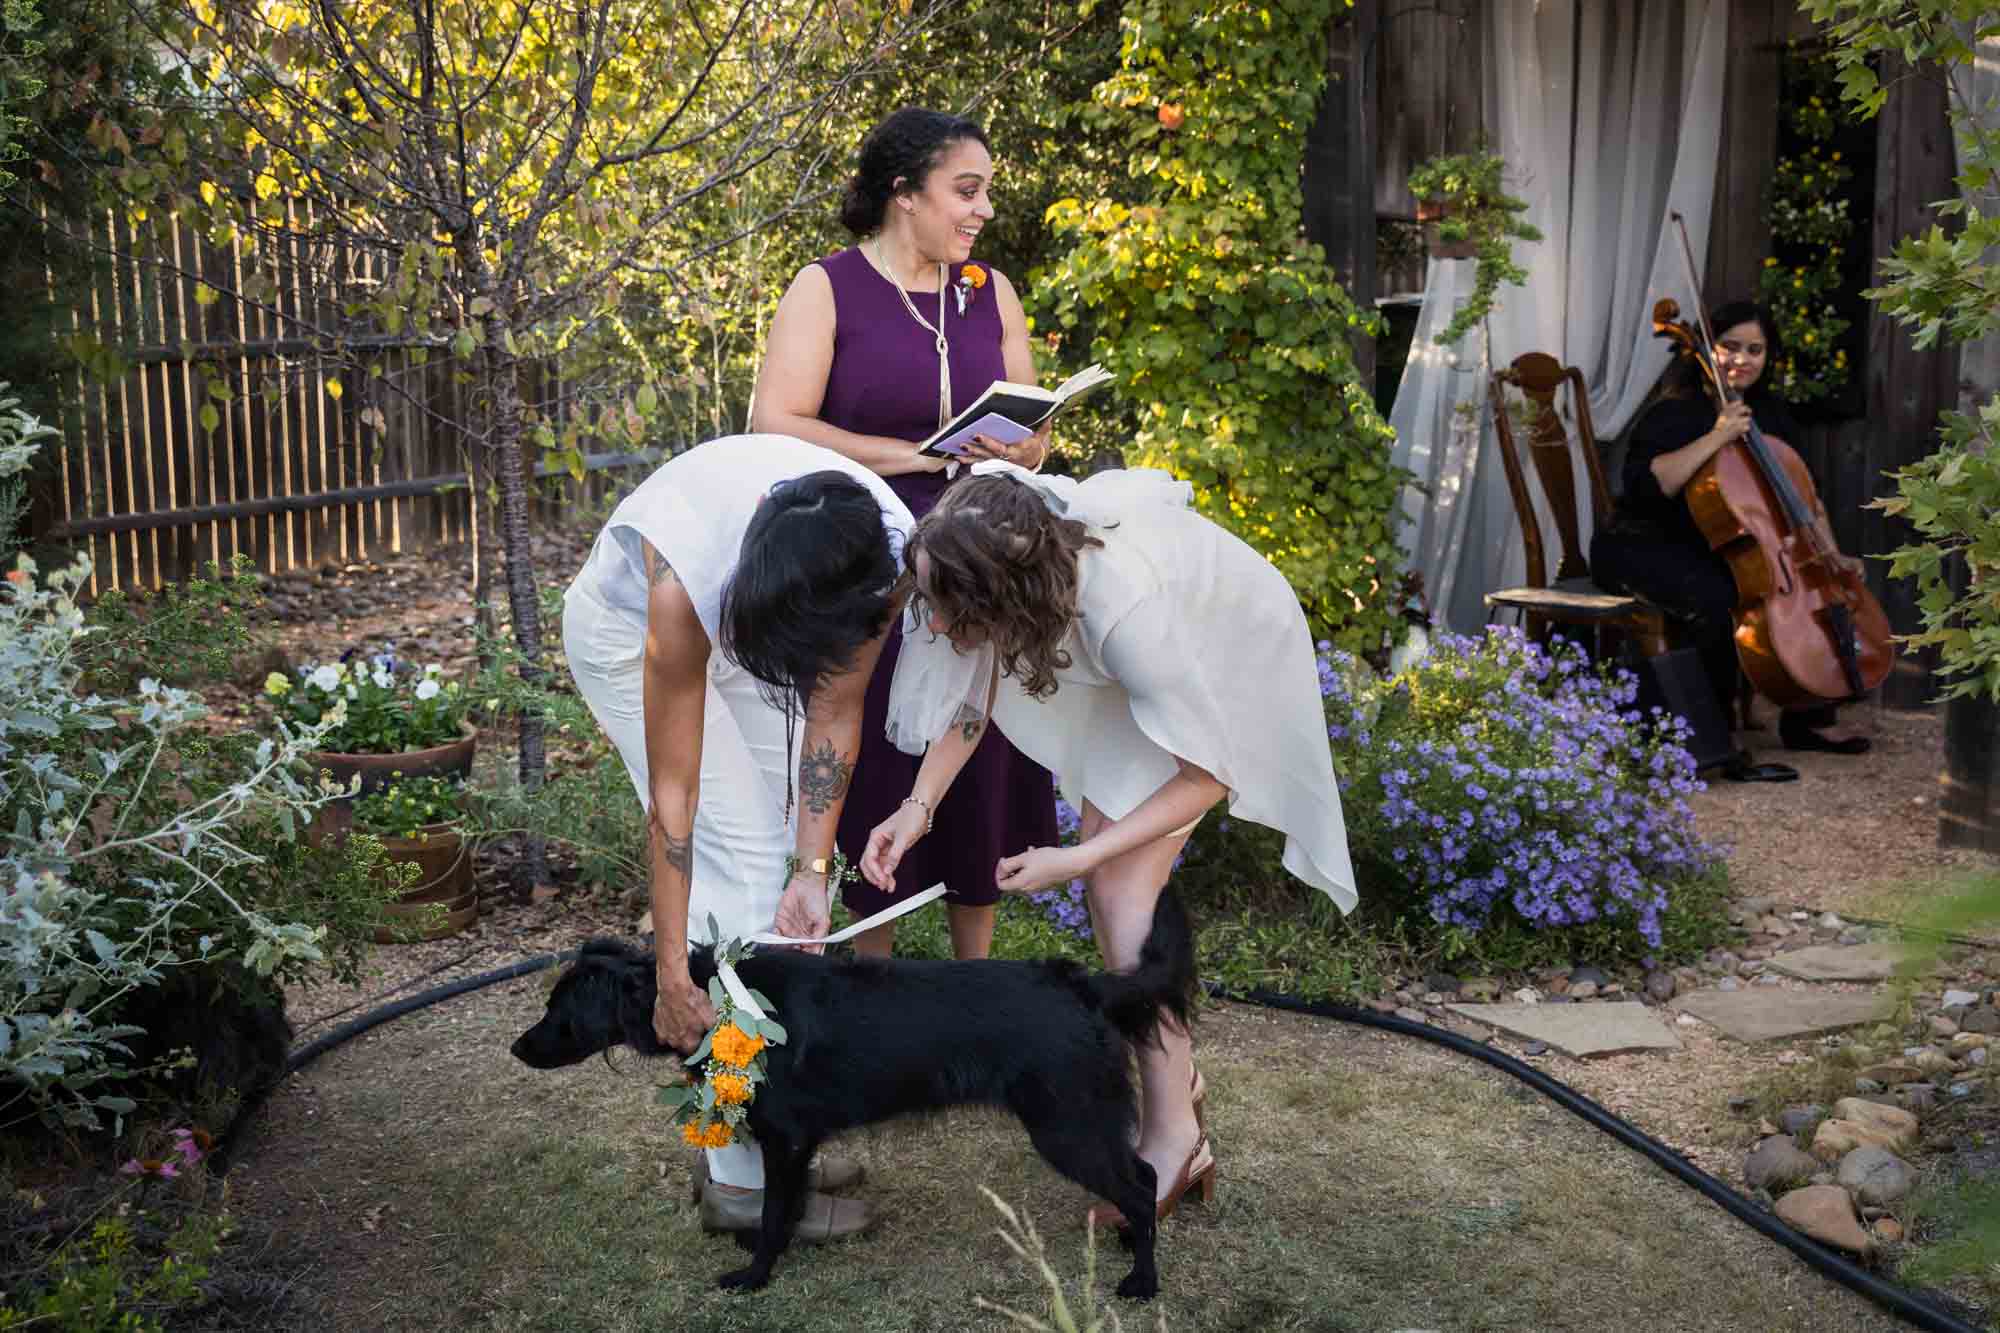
122 854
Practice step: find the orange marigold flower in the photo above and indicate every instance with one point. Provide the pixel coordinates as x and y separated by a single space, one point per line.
973 274
692 1133
733 1046
730 1089
719 1136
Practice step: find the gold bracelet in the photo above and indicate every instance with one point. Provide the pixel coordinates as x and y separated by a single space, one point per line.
918 800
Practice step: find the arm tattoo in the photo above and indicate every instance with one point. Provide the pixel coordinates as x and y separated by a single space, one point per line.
969 728
823 777
662 571
678 853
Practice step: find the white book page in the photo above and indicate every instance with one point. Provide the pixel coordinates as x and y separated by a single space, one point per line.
993 426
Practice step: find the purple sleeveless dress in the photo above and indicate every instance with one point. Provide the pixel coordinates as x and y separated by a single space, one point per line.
884 382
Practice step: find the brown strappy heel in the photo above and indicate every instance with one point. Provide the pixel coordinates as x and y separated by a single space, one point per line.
1197 1174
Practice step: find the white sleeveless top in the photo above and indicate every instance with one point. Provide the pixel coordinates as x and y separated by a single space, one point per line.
694 509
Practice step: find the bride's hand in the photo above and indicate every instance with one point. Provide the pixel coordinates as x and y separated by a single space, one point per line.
1039 868
886 845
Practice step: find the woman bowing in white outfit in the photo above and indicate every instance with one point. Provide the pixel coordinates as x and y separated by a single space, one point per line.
1157 665
786 557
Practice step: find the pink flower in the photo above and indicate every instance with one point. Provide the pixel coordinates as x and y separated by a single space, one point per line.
146 1166
192 1145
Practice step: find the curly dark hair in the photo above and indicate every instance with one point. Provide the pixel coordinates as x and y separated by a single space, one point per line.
814 583
1002 563
895 158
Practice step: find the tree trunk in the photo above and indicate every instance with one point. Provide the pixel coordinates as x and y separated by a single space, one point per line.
486 582
504 440
1969 812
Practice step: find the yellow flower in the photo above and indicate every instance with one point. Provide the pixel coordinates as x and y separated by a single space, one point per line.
730 1089
277 684
1770 261
973 274
1809 337
733 1046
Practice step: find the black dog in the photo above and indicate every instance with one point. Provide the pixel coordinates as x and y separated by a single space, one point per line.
871 1039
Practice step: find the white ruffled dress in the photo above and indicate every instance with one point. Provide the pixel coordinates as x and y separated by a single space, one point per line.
1187 644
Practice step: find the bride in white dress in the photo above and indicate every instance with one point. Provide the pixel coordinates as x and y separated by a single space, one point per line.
1157 665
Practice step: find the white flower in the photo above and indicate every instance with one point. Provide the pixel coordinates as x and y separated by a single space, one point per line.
382 678
353 693
326 678
432 669
427 689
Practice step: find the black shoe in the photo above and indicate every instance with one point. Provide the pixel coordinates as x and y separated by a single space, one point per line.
1805 738
1740 769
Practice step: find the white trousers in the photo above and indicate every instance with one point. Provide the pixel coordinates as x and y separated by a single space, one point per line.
740 837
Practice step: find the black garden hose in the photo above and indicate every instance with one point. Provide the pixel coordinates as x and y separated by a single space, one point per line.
1827 1261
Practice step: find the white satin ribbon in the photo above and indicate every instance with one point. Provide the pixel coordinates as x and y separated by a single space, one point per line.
739 994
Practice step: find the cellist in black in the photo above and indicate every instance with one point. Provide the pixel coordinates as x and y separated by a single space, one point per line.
1652 547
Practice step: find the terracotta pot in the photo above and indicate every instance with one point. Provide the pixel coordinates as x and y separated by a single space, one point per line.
1443 249
444 866
459 913
453 758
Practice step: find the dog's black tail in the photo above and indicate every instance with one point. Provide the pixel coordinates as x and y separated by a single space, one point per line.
1164 979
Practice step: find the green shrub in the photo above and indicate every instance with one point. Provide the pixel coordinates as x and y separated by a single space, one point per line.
1227 330
134 840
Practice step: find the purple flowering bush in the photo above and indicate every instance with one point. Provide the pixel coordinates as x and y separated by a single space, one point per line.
1495 783
1066 907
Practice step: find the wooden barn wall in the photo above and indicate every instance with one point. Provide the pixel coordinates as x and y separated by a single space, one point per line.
1429 65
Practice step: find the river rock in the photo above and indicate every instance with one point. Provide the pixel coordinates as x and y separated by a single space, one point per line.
1661 986
1985 1019
1960 999
1800 1118
1825 1213
1876 1177
1935 1062
1777 1164
1892 1073
1897 1125
1889 1230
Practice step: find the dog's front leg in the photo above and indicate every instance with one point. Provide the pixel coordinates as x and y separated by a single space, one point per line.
785 1166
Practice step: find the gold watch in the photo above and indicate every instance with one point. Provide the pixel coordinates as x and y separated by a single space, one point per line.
818 865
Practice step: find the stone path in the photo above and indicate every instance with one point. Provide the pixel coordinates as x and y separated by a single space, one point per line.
1838 1175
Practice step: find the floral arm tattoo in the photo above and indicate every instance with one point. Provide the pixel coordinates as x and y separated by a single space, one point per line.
662 571
823 777
969 729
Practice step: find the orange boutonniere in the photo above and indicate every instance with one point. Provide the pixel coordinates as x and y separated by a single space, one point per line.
970 279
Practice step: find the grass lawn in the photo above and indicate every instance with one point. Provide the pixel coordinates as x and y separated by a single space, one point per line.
1367 1183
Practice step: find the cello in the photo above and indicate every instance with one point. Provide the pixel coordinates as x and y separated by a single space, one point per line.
1808 630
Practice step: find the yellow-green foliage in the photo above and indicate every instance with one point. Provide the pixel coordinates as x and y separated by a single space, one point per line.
1226 328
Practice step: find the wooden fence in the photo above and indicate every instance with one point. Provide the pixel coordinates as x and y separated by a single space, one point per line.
290 475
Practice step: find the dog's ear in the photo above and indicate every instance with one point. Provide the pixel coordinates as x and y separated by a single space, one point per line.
604 948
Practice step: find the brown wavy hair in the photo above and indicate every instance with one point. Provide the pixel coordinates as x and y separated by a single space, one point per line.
1003 563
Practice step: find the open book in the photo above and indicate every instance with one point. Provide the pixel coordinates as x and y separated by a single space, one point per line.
1010 413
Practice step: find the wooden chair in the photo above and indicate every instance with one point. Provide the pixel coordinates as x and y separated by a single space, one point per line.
1571 599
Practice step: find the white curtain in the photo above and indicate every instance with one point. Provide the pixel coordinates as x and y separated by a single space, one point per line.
1610 119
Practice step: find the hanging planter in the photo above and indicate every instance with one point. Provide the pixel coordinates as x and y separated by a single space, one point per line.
1467 214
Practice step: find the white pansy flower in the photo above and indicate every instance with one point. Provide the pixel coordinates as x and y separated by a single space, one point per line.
432 669
325 678
382 678
427 689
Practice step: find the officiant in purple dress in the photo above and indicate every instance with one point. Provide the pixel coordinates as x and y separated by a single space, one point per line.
871 350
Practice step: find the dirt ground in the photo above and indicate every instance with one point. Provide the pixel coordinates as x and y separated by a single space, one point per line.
361 1150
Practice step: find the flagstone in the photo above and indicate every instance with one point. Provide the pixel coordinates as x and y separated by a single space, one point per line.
1579 1030
1839 962
1769 1012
